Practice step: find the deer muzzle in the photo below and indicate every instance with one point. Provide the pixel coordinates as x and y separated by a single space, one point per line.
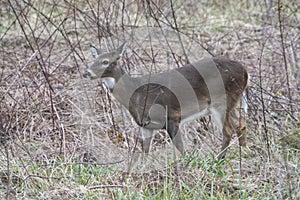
87 74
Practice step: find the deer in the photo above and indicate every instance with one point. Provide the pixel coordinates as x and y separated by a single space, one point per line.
167 100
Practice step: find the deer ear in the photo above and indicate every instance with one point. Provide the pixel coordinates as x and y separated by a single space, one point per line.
94 51
121 49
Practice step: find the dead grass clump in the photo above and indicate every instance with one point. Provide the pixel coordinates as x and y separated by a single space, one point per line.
63 137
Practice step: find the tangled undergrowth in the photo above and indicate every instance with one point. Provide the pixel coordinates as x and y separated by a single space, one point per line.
63 137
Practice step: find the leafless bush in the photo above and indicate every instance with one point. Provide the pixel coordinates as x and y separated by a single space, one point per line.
48 111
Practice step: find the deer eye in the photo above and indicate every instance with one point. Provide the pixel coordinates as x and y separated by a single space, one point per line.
105 62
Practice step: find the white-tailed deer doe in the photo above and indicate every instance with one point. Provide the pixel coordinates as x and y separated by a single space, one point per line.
169 99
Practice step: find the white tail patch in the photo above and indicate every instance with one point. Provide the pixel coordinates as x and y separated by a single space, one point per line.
245 101
245 96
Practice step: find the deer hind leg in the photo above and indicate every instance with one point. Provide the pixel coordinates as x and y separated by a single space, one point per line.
242 134
174 133
239 127
147 137
227 134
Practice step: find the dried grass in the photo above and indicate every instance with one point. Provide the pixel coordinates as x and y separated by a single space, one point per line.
64 137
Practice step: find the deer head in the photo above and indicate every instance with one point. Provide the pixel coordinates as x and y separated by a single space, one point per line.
104 64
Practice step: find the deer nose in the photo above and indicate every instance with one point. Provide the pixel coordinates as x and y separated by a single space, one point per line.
86 74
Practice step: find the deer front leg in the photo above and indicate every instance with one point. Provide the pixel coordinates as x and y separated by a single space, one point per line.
147 137
221 117
174 133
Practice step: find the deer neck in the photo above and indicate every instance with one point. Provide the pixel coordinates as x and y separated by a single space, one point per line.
121 84
112 75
